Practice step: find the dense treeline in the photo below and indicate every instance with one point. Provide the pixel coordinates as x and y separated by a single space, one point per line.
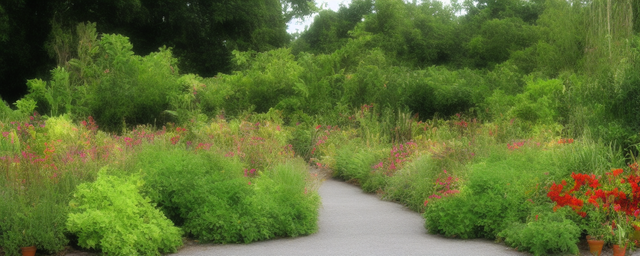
560 62
37 35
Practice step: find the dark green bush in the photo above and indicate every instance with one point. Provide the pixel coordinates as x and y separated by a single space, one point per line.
111 215
439 90
210 198
321 83
543 234
109 82
130 88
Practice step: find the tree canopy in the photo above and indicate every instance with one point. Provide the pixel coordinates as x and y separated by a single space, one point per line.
35 35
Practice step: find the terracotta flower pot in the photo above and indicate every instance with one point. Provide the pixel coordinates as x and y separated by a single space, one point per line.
619 251
595 246
28 251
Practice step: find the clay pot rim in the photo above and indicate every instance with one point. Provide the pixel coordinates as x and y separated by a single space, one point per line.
589 238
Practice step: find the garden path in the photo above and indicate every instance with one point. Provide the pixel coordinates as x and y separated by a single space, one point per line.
352 222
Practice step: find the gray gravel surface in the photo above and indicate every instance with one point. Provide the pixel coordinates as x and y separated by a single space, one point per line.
355 223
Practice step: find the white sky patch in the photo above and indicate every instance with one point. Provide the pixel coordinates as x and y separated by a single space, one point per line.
299 25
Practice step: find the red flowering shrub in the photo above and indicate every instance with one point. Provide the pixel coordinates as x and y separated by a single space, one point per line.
623 194
616 198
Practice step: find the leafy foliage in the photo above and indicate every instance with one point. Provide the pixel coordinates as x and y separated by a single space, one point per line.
110 214
356 165
39 224
545 234
498 192
211 199
35 37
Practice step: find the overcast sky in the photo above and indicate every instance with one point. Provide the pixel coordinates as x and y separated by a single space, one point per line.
299 25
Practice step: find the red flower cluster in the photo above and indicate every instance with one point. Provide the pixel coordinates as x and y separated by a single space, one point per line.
566 199
610 194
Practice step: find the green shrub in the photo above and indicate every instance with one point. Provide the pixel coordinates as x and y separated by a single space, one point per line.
541 102
322 80
39 223
586 156
302 140
209 196
505 188
356 164
263 81
130 88
438 90
281 196
8 114
545 233
495 194
417 181
110 214
453 216
55 97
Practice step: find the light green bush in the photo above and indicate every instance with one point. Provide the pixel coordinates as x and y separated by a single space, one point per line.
111 215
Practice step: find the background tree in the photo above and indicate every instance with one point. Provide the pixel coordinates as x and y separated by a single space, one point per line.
330 30
24 26
202 33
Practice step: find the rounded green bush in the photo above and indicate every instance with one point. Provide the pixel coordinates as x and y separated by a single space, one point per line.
548 233
210 198
111 215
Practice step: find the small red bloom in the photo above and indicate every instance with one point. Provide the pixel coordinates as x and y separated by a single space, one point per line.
617 172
